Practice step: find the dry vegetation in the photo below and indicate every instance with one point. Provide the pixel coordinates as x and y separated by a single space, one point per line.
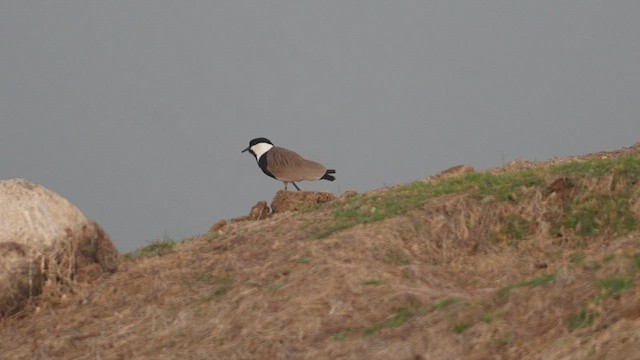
529 261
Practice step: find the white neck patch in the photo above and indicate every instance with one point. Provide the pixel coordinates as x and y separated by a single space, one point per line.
260 149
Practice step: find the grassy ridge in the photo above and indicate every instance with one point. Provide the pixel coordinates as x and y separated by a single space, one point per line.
515 263
590 214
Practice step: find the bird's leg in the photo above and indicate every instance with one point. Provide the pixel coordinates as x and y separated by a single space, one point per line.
285 185
294 184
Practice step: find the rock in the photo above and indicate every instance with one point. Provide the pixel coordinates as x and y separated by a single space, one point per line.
39 226
218 226
258 211
284 201
296 200
348 195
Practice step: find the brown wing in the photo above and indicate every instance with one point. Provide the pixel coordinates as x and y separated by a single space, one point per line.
287 165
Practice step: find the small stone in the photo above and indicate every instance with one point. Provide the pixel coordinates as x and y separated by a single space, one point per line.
218 226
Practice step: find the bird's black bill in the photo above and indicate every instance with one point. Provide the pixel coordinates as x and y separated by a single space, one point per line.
246 149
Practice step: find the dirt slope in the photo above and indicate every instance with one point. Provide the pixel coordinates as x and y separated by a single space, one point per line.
529 261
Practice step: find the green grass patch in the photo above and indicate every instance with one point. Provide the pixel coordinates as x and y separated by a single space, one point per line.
488 317
538 281
627 166
395 258
404 314
504 291
373 281
398 319
608 212
613 286
372 329
439 305
220 285
597 214
582 319
609 287
516 228
459 328
223 285
303 260
583 168
404 198
636 259
273 286
339 335
506 187
155 248
577 258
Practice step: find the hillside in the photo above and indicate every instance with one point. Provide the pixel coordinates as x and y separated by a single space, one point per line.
533 260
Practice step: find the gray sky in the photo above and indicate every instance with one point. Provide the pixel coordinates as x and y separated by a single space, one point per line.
136 111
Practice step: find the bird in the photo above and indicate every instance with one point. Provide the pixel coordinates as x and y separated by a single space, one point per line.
286 165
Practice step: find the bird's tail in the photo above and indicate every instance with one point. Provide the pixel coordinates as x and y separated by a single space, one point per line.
326 175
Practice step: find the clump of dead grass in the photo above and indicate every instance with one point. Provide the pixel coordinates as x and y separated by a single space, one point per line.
163 247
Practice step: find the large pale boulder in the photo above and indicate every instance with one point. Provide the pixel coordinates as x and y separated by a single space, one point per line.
45 240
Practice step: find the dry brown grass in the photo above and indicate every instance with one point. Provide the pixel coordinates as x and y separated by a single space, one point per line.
443 281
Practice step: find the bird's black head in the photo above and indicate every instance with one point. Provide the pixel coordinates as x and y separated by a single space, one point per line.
256 141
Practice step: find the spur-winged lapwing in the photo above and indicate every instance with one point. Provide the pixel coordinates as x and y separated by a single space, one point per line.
285 165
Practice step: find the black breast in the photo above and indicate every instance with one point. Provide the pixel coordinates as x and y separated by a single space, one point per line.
263 165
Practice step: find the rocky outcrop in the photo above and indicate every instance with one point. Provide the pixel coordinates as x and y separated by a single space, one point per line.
283 201
296 200
46 241
259 211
